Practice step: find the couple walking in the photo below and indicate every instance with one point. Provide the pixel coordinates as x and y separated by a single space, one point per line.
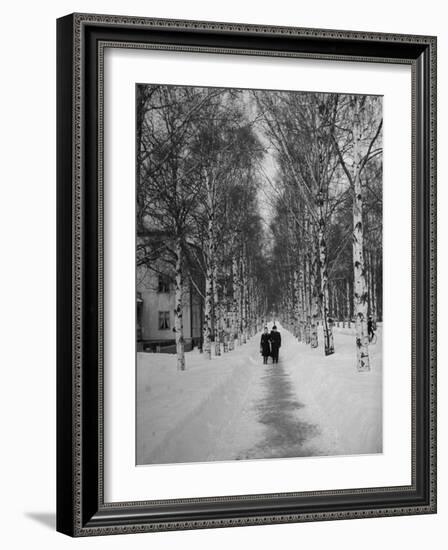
270 344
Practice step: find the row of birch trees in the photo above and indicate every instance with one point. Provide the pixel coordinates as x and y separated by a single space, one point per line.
327 223
197 212
201 176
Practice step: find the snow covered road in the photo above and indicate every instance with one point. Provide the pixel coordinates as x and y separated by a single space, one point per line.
234 407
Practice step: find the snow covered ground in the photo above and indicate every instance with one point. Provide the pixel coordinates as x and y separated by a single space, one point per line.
234 407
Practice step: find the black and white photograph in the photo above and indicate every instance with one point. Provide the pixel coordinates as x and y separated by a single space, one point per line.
259 267
230 219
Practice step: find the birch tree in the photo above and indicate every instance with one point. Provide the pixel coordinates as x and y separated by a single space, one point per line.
354 154
201 169
167 189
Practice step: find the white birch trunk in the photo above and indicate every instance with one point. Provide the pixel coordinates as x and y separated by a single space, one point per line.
217 310
292 313
330 302
347 296
249 298
209 270
234 318
359 279
368 273
323 266
328 331
253 308
336 298
178 309
297 332
207 329
307 286
315 298
244 298
240 303
374 290
301 303
225 321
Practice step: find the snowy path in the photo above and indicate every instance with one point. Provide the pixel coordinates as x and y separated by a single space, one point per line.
234 407
278 410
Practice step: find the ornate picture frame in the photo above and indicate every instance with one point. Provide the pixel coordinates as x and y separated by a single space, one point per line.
81 506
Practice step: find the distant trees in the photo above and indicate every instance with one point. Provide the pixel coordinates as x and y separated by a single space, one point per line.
302 238
300 129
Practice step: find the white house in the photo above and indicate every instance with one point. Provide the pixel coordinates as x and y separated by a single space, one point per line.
155 313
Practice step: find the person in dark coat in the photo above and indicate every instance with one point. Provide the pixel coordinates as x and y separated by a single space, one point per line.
276 342
370 329
265 345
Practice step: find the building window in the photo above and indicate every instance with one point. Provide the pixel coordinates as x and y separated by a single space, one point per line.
164 283
164 320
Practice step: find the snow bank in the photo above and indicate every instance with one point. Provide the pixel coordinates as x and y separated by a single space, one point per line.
181 414
216 410
345 403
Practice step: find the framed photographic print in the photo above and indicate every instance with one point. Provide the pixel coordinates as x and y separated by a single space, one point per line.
246 274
